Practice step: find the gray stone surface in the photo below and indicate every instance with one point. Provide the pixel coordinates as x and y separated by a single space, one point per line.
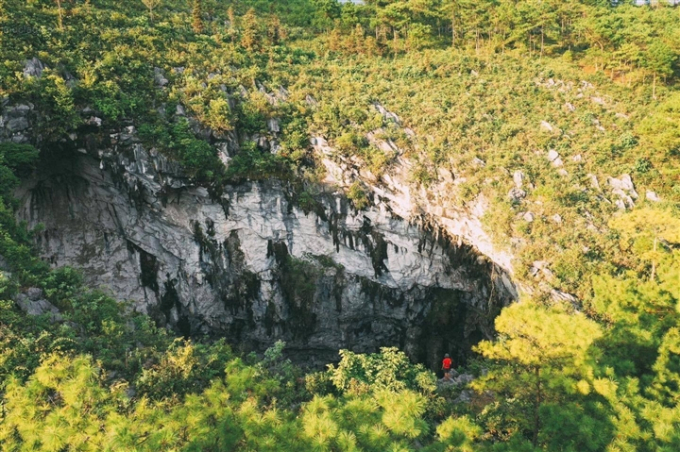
249 264
252 266
33 68
32 302
516 194
222 266
159 77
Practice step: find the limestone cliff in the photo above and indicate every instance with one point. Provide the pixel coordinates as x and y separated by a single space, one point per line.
251 265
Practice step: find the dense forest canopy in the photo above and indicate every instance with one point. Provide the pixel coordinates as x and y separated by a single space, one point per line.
490 89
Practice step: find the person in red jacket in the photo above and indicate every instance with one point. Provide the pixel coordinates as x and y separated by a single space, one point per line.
447 366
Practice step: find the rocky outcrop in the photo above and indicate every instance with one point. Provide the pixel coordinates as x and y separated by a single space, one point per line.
437 202
15 121
254 267
249 263
33 303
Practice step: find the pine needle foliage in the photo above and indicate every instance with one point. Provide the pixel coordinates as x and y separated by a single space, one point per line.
479 91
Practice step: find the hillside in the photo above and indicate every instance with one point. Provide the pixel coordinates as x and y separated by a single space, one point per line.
258 225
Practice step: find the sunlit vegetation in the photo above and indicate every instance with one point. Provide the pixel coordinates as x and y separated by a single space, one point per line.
482 90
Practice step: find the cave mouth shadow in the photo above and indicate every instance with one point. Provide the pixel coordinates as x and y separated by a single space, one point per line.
430 321
424 322
448 325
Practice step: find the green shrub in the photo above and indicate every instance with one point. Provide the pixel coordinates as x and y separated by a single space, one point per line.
358 196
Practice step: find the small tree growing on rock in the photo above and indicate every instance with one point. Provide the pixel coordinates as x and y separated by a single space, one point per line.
250 36
197 19
151 5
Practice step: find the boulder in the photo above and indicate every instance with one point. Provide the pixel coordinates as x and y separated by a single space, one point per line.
627 182
652 196
35 294
33 304
545 125
478 162
516 194
159 77
554 158
273 125
624 190
17 124
464 397
563 297
518 178
95 121
33 68
593 181
18 111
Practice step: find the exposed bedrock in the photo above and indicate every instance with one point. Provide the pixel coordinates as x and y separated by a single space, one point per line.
252 266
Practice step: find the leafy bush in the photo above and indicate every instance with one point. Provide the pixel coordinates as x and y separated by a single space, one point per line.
388 370
358 196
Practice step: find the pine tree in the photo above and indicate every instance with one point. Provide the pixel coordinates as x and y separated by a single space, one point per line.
197 19
60 16
543 355
250 36
3 21
232 23
151 5
660 61
275 30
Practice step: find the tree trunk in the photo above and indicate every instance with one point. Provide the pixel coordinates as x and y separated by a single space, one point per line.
542 40
537 419
654 261
61 15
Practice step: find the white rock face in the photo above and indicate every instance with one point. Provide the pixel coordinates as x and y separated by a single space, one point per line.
652 196
518 178
624 191
252 266
397 193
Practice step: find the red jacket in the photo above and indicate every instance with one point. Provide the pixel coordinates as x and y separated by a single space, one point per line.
446 364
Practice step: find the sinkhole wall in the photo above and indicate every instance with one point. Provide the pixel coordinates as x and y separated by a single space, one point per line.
252 266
